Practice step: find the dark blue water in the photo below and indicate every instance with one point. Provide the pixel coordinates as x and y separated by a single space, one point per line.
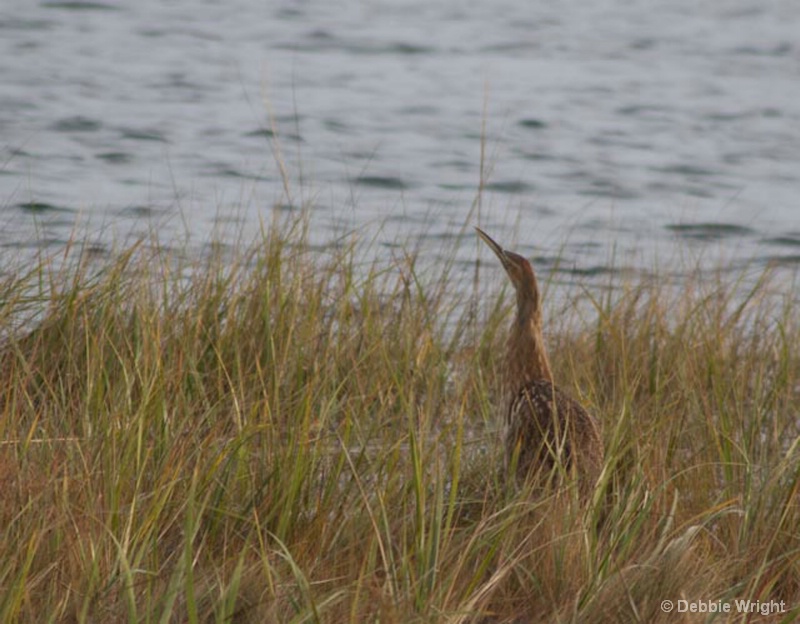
609 129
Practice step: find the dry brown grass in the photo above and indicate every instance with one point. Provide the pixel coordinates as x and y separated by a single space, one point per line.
287 438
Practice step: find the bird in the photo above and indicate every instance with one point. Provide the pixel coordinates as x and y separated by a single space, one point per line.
549 435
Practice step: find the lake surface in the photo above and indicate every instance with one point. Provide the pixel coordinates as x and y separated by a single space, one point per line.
610 129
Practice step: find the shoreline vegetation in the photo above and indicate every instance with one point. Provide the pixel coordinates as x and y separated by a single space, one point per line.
287 435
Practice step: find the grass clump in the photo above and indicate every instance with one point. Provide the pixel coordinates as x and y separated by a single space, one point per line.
294 435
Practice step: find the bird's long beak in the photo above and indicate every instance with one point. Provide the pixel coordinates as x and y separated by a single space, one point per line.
497 249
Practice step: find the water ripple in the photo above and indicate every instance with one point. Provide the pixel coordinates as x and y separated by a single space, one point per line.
41 208
80 6
383 182
709 231
77 123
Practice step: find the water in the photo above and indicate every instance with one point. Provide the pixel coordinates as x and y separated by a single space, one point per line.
612 128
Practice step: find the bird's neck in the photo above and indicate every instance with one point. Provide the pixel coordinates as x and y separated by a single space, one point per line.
527 356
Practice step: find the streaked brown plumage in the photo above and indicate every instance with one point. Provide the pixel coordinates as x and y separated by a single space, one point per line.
547 432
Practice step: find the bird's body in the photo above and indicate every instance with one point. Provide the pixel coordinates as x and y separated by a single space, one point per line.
548 434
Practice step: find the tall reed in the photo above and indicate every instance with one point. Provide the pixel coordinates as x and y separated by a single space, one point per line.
297 434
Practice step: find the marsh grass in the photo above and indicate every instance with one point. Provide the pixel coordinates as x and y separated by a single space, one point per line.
296 435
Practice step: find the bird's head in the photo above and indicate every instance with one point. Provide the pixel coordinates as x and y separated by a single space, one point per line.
519 271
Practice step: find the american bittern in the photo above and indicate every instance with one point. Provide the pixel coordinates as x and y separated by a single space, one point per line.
548 433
